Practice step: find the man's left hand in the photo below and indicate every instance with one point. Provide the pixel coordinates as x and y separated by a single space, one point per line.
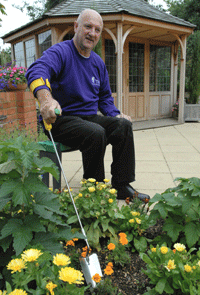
124 116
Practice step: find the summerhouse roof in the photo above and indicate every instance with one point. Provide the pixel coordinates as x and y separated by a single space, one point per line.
133 7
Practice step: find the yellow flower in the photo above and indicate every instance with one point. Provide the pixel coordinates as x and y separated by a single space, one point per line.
110 201
91 189
170 265
194 267
3 293
31 255
131 220
106 180
134 213
18 292
187 268
71 275
91 179
138 220
66 190
111 246
83 181
103 186
164 250
198 263
50 188
112 191
61 260
50 286
179 247
80 195
16 265
153 249
96 278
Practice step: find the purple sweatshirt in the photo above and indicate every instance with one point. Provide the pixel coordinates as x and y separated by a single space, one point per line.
79 84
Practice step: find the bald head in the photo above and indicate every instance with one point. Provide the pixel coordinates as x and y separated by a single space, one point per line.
87 28
88 12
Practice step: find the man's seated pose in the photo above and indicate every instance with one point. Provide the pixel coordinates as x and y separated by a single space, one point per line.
72 78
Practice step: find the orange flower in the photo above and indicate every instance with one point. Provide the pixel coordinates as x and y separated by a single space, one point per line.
122 235
111 246
96 278
174 250
83 254
70 243
108 270
123 241
75 239
110 264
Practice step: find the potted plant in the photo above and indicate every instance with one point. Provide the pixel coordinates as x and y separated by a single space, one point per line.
12 77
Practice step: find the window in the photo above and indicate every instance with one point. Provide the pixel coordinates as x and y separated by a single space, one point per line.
136 67
30 52
110 61
44 41
160 68
19 54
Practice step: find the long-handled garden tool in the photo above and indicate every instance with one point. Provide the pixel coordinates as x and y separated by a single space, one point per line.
90 264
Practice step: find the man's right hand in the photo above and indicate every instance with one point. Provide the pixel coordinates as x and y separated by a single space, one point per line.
47 105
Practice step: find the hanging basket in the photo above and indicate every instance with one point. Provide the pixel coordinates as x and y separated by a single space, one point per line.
20 87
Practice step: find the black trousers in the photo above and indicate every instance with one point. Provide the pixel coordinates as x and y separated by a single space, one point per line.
91 135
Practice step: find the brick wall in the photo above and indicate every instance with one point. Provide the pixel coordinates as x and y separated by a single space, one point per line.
18 107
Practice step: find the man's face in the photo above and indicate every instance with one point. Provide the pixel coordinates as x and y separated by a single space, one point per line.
88 31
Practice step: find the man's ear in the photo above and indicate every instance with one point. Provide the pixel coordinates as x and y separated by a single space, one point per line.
75 26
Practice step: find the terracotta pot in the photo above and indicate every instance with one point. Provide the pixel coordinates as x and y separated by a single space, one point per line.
19 87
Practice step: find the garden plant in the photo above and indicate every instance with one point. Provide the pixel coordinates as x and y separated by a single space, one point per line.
43 222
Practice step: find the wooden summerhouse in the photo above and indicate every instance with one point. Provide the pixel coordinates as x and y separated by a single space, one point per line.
139 46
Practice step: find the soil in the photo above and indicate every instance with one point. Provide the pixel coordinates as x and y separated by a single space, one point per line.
130 280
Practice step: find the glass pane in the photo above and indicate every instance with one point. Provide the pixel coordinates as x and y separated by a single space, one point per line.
30 52
136 67
19 54
110 61
44 41
160 68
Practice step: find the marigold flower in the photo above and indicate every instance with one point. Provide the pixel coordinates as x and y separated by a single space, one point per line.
138 220
16 265
31 255
111 246
131 220
61 260
112 191
91 180
96 278
164 250
187 268
83 254
70 243
134 213
50 286
18 292
153 249
75 239
179 247
71 275
122 235
123 241
170 265
91 189
110 264
108 270
106 180
110 201
174 250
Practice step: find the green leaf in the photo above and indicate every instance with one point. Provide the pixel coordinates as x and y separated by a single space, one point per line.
140 244
104 224
72 219
146 259
22 238
118 215
162 210
173 230
7 167
192 233
160 286
50 242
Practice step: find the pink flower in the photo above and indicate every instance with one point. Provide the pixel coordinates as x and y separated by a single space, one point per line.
17 78
11 75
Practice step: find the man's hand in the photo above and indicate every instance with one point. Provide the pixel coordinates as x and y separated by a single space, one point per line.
124 116
47 105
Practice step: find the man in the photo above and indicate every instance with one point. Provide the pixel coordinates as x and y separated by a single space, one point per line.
72 78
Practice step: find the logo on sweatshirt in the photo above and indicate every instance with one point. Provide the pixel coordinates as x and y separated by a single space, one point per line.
95 81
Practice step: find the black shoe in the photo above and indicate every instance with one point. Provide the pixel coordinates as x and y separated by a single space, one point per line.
128 193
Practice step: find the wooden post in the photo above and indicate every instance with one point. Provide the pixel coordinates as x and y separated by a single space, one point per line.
119 65
182 81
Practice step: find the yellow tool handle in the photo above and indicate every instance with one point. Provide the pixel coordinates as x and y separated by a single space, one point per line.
47 126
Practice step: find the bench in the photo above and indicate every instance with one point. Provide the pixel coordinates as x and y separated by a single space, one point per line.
49 152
